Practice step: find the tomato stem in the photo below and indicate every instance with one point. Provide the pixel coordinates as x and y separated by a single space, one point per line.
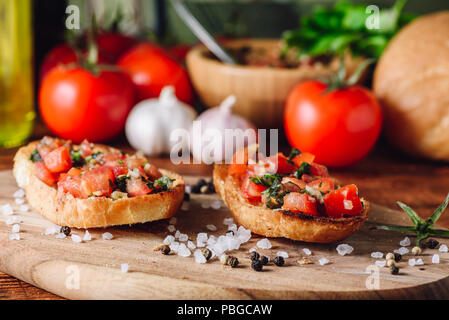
92 51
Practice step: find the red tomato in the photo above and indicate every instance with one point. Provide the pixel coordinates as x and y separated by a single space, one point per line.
179 51
98 182
339 127
343 201
76 104
323 184
300 202
136 187
58 160
44 174
251 190
151 69
114 45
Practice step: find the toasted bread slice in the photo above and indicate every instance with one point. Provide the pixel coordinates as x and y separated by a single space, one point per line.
65 210
279 223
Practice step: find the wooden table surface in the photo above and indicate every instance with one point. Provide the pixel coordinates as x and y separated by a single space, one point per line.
384 177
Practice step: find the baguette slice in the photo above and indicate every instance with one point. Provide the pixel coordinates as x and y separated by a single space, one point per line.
65 210
279 223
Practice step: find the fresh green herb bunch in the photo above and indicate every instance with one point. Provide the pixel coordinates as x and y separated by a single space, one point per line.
331 31
422 228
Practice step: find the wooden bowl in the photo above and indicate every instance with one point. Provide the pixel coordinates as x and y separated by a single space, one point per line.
261 91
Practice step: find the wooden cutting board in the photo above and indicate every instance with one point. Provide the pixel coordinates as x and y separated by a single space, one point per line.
92 270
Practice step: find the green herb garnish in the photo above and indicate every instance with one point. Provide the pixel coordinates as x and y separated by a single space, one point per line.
304 168
295 152
266 180
93 156
422 228
77 159
163 183
35 156
120 182
331 31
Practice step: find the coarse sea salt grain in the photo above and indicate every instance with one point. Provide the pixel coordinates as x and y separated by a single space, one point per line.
402 251
215 204
19 193
199 256
188 189
436 258
15 228
377 255
107 236
264 244
381 263
344 249
282 254
228 221
24 208
169 239
14 236
323 261
173 220
171 228
13 220
211 227
177 234
412 262
200 244
174 246
183 251
19 201
7 210
191 245
60 235
183 237
419 262
443 248
124 267
76 238
405 242
252 250
51 231
307 251
201 237
87 236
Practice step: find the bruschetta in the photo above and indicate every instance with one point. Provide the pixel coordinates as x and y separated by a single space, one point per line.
291 197
90 186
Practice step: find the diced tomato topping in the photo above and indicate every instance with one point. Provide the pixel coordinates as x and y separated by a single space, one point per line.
136 162
152 171
318 170
72 184
58 160
293 184
300 202
74 172
119 170
239 164
323 184
86 149
44 174
307 178
303 157
47 145
251 190
98 181
343 201
136 187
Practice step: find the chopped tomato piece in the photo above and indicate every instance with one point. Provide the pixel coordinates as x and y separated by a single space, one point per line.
251 190
307 178
119 170
303 157
98 181
152 171
86 149
300 202
58 160
44 174
239 164
293 184
318 170
72 184
74 172
136 162
47 145
136 187
323 184
343 201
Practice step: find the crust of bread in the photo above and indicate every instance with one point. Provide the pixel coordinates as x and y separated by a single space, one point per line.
65 210
279 223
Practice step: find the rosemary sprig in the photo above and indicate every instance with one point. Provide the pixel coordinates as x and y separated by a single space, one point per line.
422 228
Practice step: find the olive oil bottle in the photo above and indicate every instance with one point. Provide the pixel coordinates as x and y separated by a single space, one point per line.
16 78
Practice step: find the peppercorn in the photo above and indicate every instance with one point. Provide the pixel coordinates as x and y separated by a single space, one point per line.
206 253
431 244
211 186
397 257
279 261
224 259
66 230
394 270
416 251
201 182
264 260
196 188
186 197
254 256
389 256
204 189
390 263
233 262
257 265
165 249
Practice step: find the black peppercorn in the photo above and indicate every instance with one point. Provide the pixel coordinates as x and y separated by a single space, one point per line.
254 255
397 257
279 261
264 260
257 265
211 186
201 183
66 230
196 188
165 249
431 244
207 253
394 270
186 197
233 262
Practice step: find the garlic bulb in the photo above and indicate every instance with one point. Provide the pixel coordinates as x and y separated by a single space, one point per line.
151 122
218 133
